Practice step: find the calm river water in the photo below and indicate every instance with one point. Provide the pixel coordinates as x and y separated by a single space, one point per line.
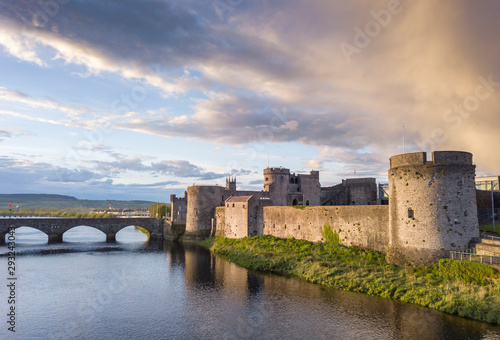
87 289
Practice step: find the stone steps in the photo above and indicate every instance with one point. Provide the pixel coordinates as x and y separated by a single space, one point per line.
486 246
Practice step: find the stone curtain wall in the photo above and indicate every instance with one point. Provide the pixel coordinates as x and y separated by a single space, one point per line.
364 226
220 223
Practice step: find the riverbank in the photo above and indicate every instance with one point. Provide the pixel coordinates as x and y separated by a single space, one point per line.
466 289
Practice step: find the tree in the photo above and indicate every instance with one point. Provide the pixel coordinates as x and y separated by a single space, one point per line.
158 210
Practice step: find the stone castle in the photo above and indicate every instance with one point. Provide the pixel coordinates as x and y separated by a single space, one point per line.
432 208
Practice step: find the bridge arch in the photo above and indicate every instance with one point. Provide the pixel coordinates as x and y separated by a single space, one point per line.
28 234
133 234
83 233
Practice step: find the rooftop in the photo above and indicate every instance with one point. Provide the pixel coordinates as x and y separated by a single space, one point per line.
238 198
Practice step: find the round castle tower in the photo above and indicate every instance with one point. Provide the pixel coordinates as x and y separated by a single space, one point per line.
432 206
201 204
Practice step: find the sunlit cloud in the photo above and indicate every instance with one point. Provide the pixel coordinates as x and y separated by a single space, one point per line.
269 72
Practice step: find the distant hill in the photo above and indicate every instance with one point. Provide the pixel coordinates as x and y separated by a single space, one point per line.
62 201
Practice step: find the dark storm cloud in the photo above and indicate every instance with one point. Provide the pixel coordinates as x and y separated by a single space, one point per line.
427 60
145 34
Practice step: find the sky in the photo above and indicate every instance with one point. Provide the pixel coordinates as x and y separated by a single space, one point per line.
139 99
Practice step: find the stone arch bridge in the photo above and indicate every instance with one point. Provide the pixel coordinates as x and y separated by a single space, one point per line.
56 227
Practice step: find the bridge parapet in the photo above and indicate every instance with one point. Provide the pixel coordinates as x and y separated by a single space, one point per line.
56 227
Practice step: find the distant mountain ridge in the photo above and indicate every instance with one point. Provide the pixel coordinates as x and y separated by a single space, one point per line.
63 201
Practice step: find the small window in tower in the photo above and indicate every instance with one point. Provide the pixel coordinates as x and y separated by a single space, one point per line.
233 205
291 180
307 202
267 179
411 213
228 205
243 206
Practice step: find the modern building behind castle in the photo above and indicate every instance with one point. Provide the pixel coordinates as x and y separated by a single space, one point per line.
431 209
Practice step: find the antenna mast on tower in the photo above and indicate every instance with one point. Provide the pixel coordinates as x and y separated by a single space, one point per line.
403 139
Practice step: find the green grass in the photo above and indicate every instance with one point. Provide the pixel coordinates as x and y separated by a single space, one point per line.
489 227
329 236
143 230
53 212
466 289
65 202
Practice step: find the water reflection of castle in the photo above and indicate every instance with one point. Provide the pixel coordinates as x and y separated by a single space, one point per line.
250 304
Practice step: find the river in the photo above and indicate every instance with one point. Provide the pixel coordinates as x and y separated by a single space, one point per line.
85 288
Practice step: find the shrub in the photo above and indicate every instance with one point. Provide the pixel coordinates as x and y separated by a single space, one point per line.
329 236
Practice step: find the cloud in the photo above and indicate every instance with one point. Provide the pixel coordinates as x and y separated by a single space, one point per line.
313 163
365 163
172 167
422 70
71 175
181 168
21 176
4 134
258 181
23 171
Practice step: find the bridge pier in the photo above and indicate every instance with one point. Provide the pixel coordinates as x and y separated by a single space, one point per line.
110 238
55 238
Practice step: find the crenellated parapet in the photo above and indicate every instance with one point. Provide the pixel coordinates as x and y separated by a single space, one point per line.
432 206
178 209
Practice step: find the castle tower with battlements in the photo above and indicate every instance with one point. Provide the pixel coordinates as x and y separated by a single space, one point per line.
231 183
432 206
286 188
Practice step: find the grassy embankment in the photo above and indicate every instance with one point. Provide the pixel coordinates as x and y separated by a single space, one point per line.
466 289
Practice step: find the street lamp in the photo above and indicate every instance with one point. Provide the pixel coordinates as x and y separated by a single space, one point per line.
492 205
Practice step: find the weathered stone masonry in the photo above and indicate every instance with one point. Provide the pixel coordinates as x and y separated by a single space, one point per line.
364 226
432 208
432 204
56 227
